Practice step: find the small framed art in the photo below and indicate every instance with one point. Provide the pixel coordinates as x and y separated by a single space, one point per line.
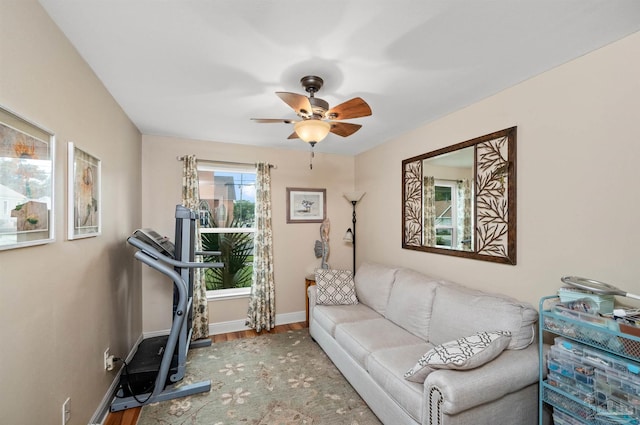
26 182
84 208
306 205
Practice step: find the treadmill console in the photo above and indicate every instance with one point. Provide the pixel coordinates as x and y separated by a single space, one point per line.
161 243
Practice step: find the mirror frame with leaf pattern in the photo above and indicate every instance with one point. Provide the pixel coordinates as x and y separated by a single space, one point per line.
494 209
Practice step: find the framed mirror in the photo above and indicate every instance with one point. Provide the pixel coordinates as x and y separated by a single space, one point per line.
461 200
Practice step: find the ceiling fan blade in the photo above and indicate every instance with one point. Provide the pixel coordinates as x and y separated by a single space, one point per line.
293 135
344 129
272 120
354 108
298 102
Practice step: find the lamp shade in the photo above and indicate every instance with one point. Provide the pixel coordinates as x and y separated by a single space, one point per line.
348 236
354 196
312 130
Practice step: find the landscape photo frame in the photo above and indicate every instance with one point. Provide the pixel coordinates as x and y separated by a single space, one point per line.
27 171
306 205
84 208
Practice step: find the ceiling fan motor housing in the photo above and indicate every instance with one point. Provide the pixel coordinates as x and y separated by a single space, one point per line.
311 83
319 106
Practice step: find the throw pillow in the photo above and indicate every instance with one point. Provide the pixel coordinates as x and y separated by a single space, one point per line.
335 287
462 354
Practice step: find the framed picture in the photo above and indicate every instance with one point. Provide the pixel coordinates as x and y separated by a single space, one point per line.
27 154
306 205
84 209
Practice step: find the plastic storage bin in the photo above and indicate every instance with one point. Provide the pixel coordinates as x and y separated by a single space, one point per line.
604 303
593 369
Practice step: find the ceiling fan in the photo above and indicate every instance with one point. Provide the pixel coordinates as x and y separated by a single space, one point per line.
316 118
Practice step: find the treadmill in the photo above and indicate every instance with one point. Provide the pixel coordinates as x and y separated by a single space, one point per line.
160 362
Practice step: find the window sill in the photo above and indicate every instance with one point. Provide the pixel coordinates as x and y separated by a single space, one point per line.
228 294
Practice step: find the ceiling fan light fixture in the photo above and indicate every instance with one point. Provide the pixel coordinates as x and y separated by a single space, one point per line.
312 130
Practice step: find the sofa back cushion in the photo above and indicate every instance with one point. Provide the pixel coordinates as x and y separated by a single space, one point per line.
335 287
459 312
411 302
373 285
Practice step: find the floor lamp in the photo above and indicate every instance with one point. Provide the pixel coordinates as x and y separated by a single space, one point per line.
350 236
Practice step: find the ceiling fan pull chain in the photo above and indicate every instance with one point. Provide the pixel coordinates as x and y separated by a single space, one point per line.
311 145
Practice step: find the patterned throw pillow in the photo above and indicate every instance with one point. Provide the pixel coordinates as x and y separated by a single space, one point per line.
462 354
335 287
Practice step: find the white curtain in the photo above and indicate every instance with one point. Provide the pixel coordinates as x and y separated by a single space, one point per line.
262 305
429 197
191 199
464 215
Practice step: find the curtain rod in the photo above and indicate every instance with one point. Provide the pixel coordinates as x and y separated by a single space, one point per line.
211 161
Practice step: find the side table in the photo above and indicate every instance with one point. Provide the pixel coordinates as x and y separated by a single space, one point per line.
309 280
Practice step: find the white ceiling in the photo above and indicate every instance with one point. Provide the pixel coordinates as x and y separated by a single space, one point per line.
200 69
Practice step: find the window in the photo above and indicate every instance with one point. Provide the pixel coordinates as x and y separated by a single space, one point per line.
446 211
227 224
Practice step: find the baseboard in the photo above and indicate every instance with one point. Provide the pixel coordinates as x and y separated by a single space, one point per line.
100 415
239 325
214 329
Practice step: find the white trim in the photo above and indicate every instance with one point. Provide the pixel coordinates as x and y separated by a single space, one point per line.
228 294
226 327
239 325
294 317
153 334
227 230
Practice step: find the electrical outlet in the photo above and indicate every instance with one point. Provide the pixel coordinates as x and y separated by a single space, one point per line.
66 411
110 361
107 356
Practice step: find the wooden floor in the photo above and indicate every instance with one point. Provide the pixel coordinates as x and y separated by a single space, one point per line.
130 416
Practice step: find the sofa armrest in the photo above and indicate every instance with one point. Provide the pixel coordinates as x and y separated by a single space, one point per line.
454 391
311 293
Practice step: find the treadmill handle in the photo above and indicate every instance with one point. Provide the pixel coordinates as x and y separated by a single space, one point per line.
156 255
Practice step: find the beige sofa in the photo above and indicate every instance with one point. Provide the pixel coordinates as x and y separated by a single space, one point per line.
401 315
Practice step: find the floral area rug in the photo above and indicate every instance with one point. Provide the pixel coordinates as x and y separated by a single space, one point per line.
277 379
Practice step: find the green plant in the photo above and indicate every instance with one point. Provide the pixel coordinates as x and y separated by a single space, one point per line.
236 252
245 212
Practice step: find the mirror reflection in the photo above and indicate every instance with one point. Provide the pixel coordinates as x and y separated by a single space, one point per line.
460 200
448 200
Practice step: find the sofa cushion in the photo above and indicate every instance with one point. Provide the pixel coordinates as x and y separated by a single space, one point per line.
462 354
360 339
373 285
335 287
411 301
330 316
459 311
386 368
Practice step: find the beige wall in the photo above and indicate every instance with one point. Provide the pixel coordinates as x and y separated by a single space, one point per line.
293 243
63 303
578 166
